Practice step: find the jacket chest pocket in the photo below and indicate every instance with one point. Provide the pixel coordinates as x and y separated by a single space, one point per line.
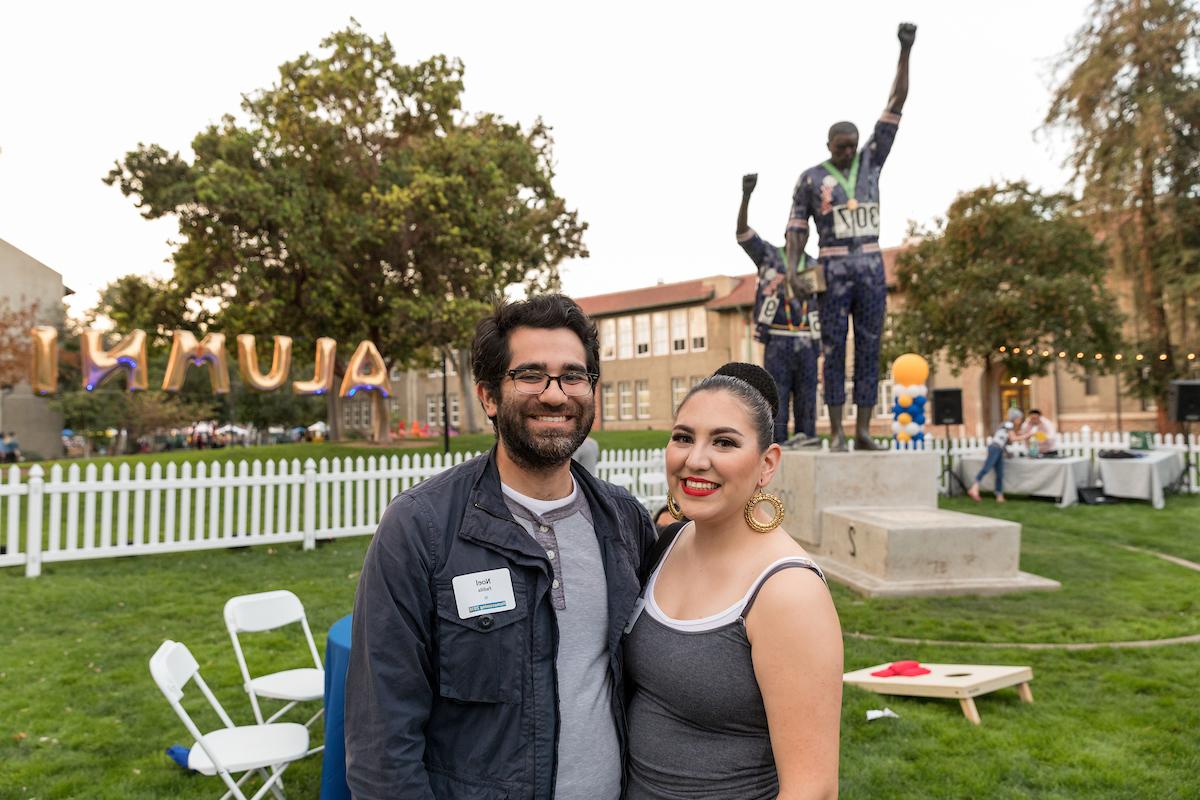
482 659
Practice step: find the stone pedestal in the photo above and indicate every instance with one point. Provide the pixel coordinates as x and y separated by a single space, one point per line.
871 520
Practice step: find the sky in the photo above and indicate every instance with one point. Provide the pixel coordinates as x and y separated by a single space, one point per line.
657 110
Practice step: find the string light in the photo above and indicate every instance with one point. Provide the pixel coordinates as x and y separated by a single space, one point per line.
1079 355
1191 356
1098 356
1140 356
1118 356
1045 353
1026 382
1012 380
1003 348
1062 353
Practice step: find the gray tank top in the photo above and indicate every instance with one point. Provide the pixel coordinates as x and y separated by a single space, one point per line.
697 725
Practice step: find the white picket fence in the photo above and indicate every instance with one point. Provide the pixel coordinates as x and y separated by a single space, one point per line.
70 514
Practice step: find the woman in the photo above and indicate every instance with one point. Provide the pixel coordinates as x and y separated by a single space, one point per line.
734 652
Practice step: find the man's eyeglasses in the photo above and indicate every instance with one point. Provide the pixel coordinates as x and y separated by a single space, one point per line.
536 381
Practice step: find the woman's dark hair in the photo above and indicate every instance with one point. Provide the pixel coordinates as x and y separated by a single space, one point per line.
489 352
754 387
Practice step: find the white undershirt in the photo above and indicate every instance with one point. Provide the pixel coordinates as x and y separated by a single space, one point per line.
721 618
541 507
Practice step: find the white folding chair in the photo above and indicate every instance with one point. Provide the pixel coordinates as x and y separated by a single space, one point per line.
653 483
622 479
252 749
265 611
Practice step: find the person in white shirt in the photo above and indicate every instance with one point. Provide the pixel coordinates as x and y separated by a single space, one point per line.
1041 427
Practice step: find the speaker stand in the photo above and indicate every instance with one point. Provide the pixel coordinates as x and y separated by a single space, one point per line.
948 465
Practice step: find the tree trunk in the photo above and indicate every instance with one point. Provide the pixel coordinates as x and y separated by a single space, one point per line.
466 402
380 419
333 414
990 396
1152 290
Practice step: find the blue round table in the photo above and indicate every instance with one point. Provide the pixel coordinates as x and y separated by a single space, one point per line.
333 764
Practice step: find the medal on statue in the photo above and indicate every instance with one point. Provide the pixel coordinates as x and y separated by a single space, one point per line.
851 204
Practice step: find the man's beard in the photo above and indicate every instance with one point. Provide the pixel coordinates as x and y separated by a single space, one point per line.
541 451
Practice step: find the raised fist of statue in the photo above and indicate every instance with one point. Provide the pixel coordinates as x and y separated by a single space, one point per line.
749 182
906 33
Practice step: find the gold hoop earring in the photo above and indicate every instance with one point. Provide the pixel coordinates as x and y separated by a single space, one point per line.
673 508
759 497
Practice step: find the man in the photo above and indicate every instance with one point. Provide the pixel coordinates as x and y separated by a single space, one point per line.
1041 429
784 325
486 659
842 196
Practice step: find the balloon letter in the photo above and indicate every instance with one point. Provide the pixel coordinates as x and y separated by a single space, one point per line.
281 362
97 364
366 372
322 380
43 371
186 352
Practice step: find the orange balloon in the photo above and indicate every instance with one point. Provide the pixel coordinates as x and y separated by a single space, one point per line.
902 436
910 369
904 418
904 400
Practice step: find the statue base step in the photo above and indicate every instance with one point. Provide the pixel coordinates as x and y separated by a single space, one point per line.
914 551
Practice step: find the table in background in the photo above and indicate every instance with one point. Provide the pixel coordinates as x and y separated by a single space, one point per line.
1059 478
1144 477
333 764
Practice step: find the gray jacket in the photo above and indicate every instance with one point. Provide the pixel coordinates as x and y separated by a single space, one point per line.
439 707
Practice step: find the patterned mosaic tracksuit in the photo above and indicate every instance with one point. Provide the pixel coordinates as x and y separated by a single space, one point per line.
791 348
853 264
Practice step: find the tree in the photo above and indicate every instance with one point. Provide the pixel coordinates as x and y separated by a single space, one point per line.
1008 267
1130 98
15 348
358 200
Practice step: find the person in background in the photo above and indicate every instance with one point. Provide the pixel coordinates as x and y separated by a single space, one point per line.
588 455
12 448
6 453
995 456
1041 429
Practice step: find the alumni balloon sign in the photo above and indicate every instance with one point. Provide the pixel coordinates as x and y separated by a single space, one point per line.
366 371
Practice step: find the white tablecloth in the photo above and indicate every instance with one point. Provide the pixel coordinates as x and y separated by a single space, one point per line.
1059 478
1142 478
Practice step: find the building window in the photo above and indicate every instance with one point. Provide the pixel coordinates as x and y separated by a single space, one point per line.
608 339
609 399
679 390
883 406
696 380
679 330
642 325
436 372
1089 385
625 337
698 323
661 334
626 393
433 410
643 399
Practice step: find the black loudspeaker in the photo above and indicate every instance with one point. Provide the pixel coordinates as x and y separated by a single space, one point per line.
947 407
1185 401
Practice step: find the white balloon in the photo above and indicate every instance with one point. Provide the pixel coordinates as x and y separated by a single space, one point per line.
900 390
895 427
920 390
912 428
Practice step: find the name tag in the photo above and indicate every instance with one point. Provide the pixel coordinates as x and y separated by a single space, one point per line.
851 223
483 593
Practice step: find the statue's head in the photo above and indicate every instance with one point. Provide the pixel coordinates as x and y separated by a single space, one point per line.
843 144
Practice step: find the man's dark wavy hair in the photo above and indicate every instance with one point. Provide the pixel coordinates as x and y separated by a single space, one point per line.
490 355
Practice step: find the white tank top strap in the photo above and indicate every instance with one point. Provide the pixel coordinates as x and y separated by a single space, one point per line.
735 612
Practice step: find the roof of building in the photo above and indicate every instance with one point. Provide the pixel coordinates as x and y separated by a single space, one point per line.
717 292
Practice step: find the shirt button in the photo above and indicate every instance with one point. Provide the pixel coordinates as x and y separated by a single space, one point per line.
486 621
543 528
554 584
550 554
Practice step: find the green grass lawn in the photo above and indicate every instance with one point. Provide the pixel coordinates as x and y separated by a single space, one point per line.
470 442
80 716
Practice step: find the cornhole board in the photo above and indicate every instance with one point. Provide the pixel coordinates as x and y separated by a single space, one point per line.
963 682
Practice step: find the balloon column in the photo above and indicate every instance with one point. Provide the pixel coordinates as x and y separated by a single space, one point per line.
909 372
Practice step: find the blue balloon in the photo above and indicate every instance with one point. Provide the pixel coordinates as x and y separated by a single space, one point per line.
919 417
919 402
